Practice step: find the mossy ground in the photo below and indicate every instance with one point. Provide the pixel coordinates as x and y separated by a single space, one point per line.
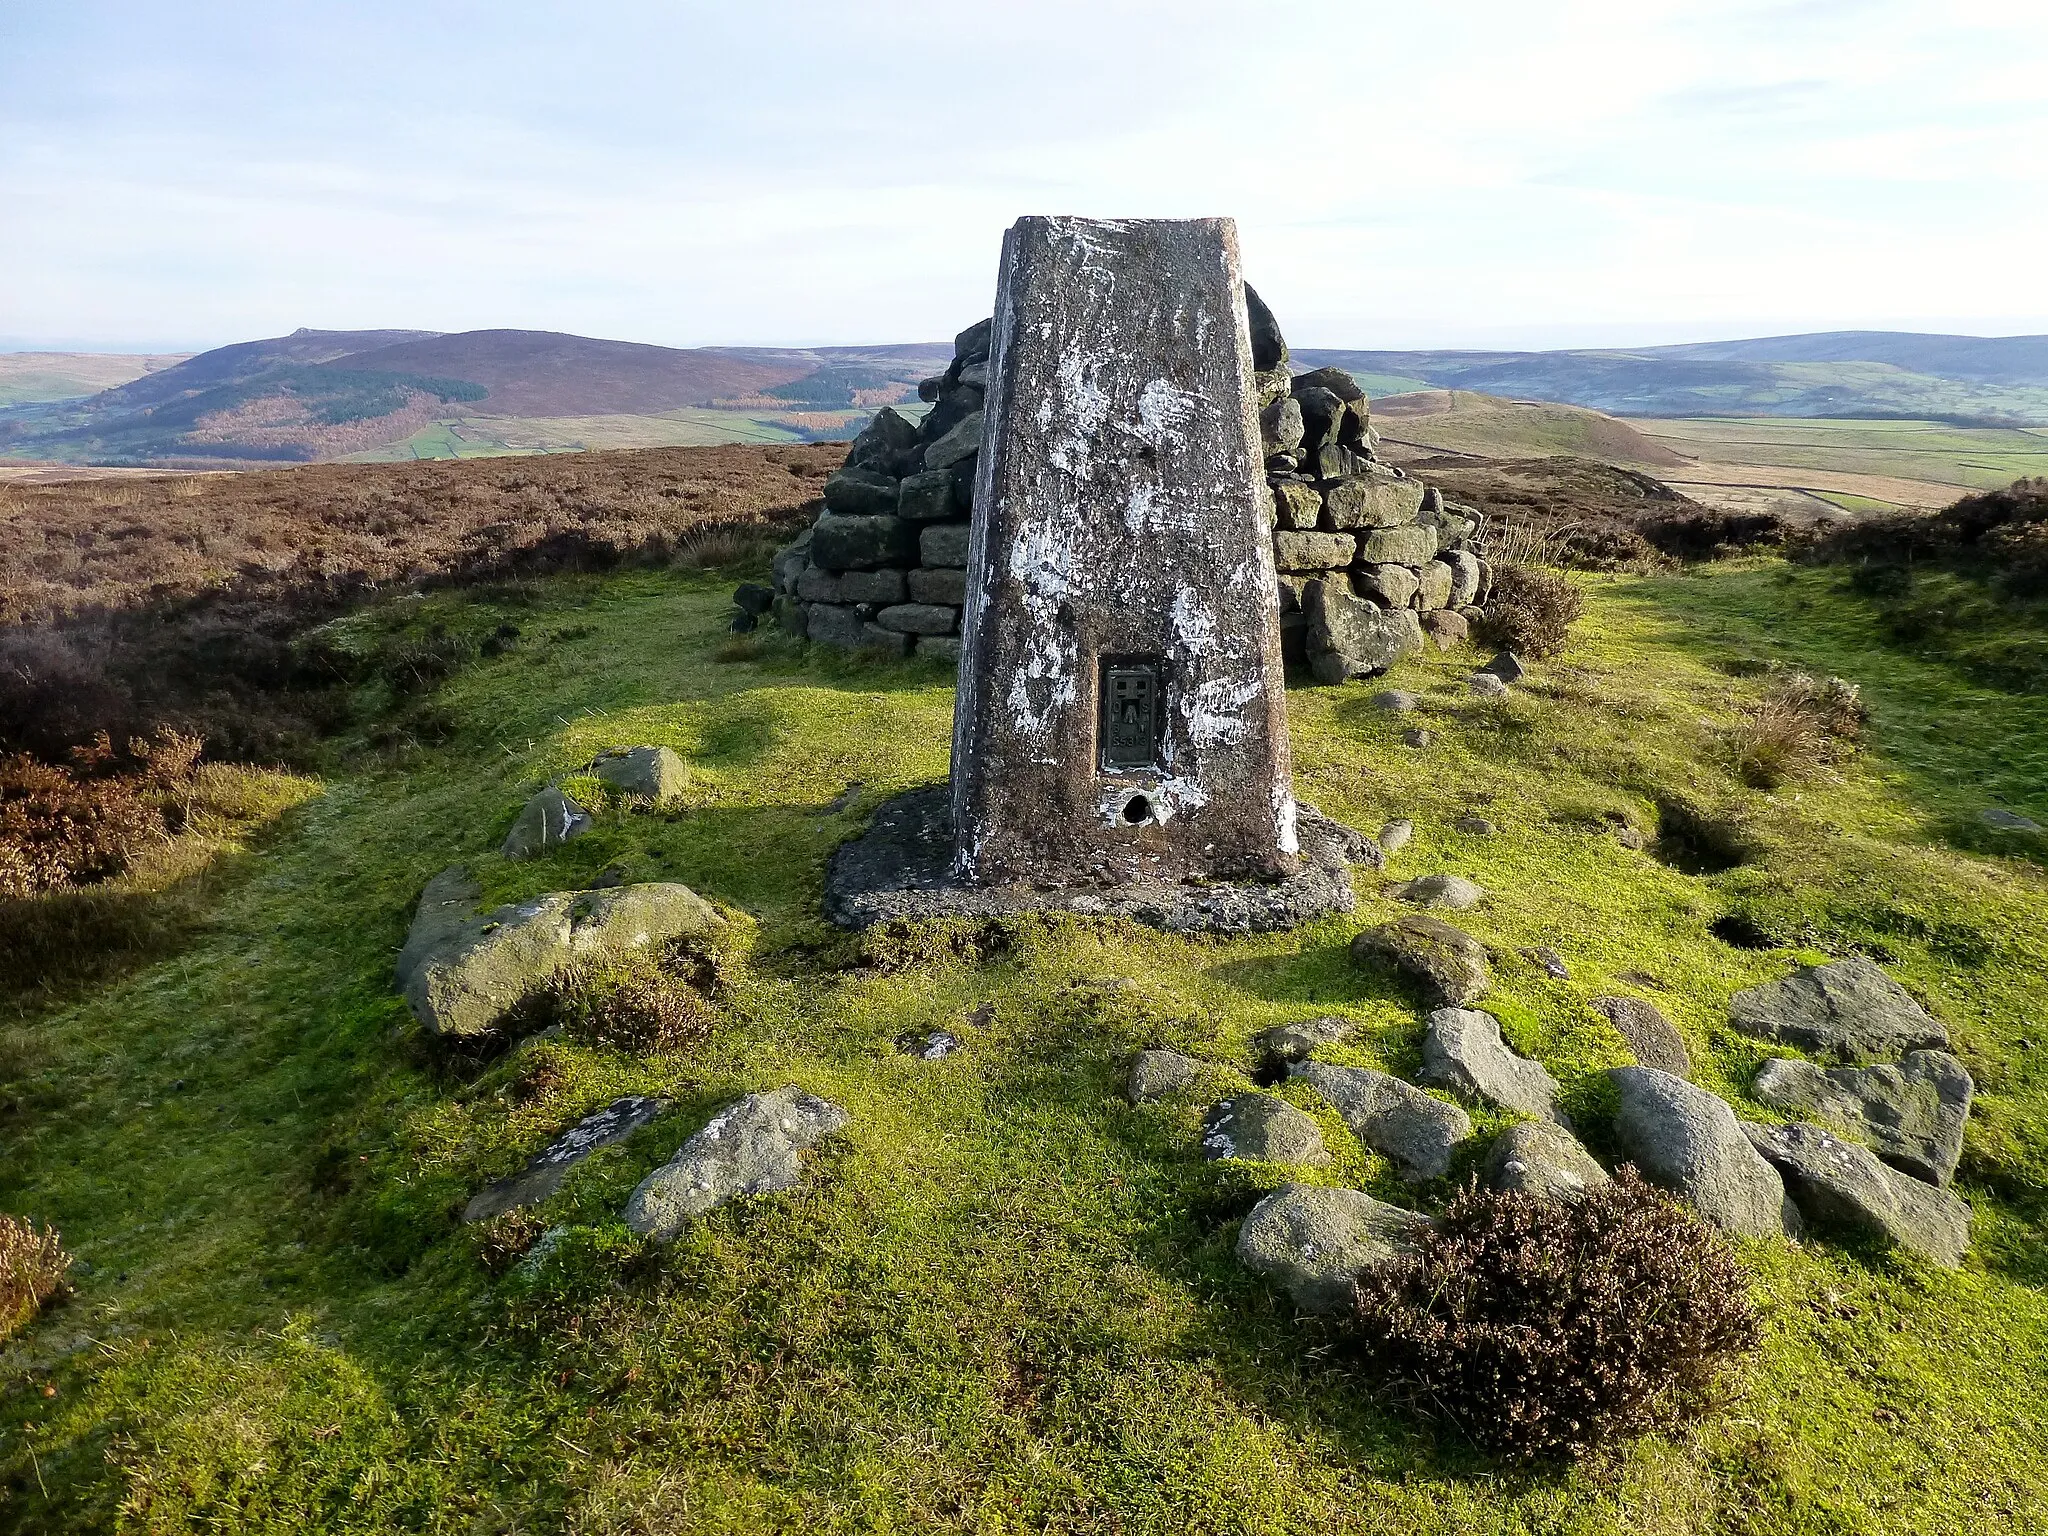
1003 1299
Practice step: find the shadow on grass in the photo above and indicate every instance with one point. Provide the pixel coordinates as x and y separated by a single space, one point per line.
1960 747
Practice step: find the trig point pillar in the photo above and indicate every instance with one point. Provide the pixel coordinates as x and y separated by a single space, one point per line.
1122 714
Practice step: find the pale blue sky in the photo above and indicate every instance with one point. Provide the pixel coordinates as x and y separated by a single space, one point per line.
1576 172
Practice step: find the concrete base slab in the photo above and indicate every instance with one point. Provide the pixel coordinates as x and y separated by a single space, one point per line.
901 867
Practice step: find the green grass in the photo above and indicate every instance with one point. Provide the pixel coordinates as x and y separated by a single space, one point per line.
493 436
1002 1300
1377 384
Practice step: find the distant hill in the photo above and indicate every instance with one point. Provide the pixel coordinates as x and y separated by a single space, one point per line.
1457 422
400 394
243 361
28 378
1841 374
1980 359
403 394
548 373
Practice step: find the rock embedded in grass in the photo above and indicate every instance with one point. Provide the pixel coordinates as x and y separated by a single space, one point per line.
1839 1184
1352 845
1486 685
1463 1053
1162 1074
753 1147
549 820
543 1175
1848 1009
1449 964
1313 1242
2008 821
1542 1159
1260 1128
1453 891
1474 826
462 971
1506 666
653 774
1652 1039
1395 834
1912 1114
1689 1141
1283 1045
1416 1130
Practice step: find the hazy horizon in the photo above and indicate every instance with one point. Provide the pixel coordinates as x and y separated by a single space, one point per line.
1600 173
10 346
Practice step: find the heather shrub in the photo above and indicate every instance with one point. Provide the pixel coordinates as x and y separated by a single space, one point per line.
32 1269
76 825
634 1006
1549 1329
1531 611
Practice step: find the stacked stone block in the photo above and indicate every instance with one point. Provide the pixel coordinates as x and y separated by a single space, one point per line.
1372 564
885 565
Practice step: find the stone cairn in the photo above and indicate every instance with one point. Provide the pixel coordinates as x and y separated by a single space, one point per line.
885 565
1372 564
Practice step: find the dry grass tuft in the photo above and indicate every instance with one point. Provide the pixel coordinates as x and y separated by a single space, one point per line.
32 1269
1797 728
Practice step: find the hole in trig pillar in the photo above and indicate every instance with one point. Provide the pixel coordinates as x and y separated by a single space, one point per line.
1132 711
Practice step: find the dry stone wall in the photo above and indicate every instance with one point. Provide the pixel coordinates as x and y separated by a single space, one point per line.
1372 564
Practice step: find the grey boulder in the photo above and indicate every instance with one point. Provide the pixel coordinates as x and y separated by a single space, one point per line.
1839 1184
1398 701
1652 1039
1314 1243
1449 964
642 773
1506 666
1351 637
1417 1131
543 1175
462 971
1912 1114
1395 834
1689 1141
549 820
1261 1128
1541 1159
1453 891
753 1147
1463 1053
1848 1009
1162 1074
1487 685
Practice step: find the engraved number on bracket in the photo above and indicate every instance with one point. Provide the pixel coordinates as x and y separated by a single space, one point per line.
1131 701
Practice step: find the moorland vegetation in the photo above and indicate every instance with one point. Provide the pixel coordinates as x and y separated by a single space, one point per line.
1005 1298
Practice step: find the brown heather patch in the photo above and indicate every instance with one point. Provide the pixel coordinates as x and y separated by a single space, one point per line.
132 605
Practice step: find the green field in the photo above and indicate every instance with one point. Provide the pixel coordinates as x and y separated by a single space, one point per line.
478 437
1003 1300
1974 458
